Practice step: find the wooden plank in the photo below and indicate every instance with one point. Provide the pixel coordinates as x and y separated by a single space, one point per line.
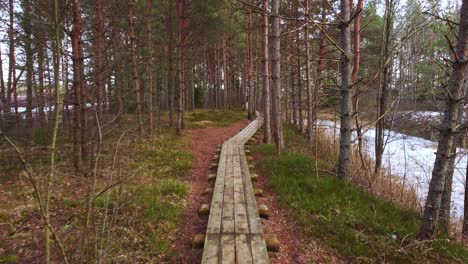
211 249
228 249
214 220
234 232
243 250
228 196
259 250
241 221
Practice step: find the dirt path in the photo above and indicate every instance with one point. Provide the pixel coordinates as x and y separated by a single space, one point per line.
203 143
295 246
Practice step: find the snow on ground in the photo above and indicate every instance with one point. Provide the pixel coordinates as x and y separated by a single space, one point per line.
412 159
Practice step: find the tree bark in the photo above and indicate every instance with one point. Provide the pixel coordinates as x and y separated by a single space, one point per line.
250 65
135 77
276 77
181 5
149 69
308 79
77 87
344 160
266 77
384 87
449 129
99 67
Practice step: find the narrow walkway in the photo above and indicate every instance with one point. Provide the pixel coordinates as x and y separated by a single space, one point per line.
234 233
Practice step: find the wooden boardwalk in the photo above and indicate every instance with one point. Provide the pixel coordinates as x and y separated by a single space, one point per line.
234 233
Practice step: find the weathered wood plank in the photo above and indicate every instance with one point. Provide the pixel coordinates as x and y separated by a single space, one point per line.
211 249
228 249
234 232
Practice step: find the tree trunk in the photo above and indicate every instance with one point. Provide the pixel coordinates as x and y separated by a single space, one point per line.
99 67
384 88
299 77
465 211
12 59
250 65
135 77
149 69
77 87
181 100
266 77
344 160
449 129
276 77
308 79
29 63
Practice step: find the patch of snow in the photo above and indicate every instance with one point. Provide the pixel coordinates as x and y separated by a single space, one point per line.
412 158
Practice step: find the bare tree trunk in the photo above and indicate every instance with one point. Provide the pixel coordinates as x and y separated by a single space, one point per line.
344 160
276 77
40 73
250 65
2 92
29 63
384 87
77 87
299 77
58 106
135 77
308 79
354 75
170 68
465 211
449 129
12 59
149 69
99 68
181 105
266 77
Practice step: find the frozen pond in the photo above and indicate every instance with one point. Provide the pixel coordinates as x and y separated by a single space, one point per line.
413 158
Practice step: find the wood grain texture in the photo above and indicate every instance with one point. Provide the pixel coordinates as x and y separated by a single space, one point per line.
234 233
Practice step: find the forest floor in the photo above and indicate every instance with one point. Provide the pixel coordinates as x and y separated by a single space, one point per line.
350 222
295 246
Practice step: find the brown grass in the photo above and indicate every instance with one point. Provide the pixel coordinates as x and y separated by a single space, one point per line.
383 184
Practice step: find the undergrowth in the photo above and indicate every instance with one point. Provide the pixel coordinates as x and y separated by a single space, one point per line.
214 117
357 225
132 221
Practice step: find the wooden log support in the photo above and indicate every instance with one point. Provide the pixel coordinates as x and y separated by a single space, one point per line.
234 233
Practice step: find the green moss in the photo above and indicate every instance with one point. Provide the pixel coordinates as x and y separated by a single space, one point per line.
349 220
7 259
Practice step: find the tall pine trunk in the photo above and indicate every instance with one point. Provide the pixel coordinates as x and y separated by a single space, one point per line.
450 127
308 79
266 76
77 87
149 69
276 77
344 160
99 67
135 77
